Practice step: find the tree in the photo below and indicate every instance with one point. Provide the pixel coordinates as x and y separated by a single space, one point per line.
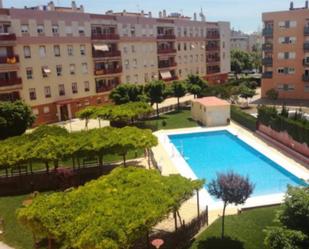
15 118
231 188
246 93
272 94
195 85
240 61
178 90
156 92
125 93
86 114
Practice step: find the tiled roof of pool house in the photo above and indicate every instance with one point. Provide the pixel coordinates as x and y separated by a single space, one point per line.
211 101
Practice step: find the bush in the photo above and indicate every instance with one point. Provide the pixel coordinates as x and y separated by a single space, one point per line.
243 118
272 94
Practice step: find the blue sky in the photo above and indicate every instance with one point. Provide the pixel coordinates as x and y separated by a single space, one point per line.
243 14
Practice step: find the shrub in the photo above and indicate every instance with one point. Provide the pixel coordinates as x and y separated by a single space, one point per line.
272 94
243 118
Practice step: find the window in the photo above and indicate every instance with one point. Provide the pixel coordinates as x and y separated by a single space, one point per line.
35 111
40 29
29 73
27 52
84 68
128 78
74 88
146 77
82 50
179 46
46 109
125 49
32 94
72 69
135 63
133 48
61 90
287 40
185 46
57 50
132 30
306 87
86 86
59 70
286 87
135 78
45 72
68 30
127 64
47 92
42 50
24 28
70 50
286 55
81 31
55 29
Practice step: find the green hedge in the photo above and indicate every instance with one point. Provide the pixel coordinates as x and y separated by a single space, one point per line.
243 118
297 129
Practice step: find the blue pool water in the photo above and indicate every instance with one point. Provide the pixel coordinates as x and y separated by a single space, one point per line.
210 152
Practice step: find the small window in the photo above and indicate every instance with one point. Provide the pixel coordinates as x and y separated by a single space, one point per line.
86 86
70 50
133 48
45 72
29 73
32 94
74 88
82 50
40 29
57 50
47 92
68 30
24 28
46 109
85 68
27 52
128 78
35 111
42 51
72 69
59 70
55 29
81 31
61 90
135 63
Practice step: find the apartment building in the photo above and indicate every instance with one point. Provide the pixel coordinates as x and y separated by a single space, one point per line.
286 53
246 42
60 60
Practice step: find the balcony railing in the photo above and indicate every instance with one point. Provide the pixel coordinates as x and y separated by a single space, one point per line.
267 46
166 37
105 37
212 48
305 78
213 60
10 82
267 75
106 88
267 61
306 46
214 36
171 79
166 51
167 65
306 31
9 59
268 32
306 62
100 54
108 71
7 37
213 70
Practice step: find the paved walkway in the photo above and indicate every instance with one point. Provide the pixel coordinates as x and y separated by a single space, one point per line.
4 246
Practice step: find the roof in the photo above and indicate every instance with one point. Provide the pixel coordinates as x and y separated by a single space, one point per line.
211 101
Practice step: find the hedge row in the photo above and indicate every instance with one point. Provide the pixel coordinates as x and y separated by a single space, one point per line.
297 129
243 118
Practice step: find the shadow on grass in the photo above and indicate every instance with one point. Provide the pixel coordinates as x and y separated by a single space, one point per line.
218 243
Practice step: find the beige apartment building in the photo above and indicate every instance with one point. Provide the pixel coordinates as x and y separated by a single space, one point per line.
286 53
60 60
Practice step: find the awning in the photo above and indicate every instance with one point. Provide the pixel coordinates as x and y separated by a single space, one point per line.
101 47
166 75
46 70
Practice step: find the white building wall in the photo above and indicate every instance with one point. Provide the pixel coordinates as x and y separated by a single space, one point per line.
225 46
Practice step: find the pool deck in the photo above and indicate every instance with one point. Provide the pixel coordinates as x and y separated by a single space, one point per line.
171 161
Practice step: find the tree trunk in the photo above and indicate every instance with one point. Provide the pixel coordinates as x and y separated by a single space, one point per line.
179 217
175 220
124 160
223 216
56 164
6 171
99 123
101 162
49 243
73 162
47 167
30 166
157 107
178 104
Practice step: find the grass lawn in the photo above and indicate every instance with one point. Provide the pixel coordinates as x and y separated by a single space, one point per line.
14 234
173 120
244 231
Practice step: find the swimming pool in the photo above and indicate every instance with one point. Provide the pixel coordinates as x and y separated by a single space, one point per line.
208 153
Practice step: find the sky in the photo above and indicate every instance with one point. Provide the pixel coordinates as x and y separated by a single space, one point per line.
244 15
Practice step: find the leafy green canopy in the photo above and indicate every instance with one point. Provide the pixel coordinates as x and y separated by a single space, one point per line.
125 93
111 212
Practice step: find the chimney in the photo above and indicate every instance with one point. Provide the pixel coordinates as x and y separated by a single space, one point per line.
164 13
51 6
82 8
160 14
306 4
1 4
149 14
74 6
291 6
194 17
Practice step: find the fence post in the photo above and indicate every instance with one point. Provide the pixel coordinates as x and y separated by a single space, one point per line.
198 203
207 216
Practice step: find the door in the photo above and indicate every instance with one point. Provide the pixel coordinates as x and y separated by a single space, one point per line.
64 113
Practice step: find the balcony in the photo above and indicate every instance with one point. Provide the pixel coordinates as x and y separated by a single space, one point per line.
9 59
306 31
267 75
166 37
305 77
267 62
167 65
108 71
10 82
306 61
101 54
213 71
7 37
106 87
167 51
213 60
212 48
170 79
267 47
213 36
268 32
306 46
105 37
